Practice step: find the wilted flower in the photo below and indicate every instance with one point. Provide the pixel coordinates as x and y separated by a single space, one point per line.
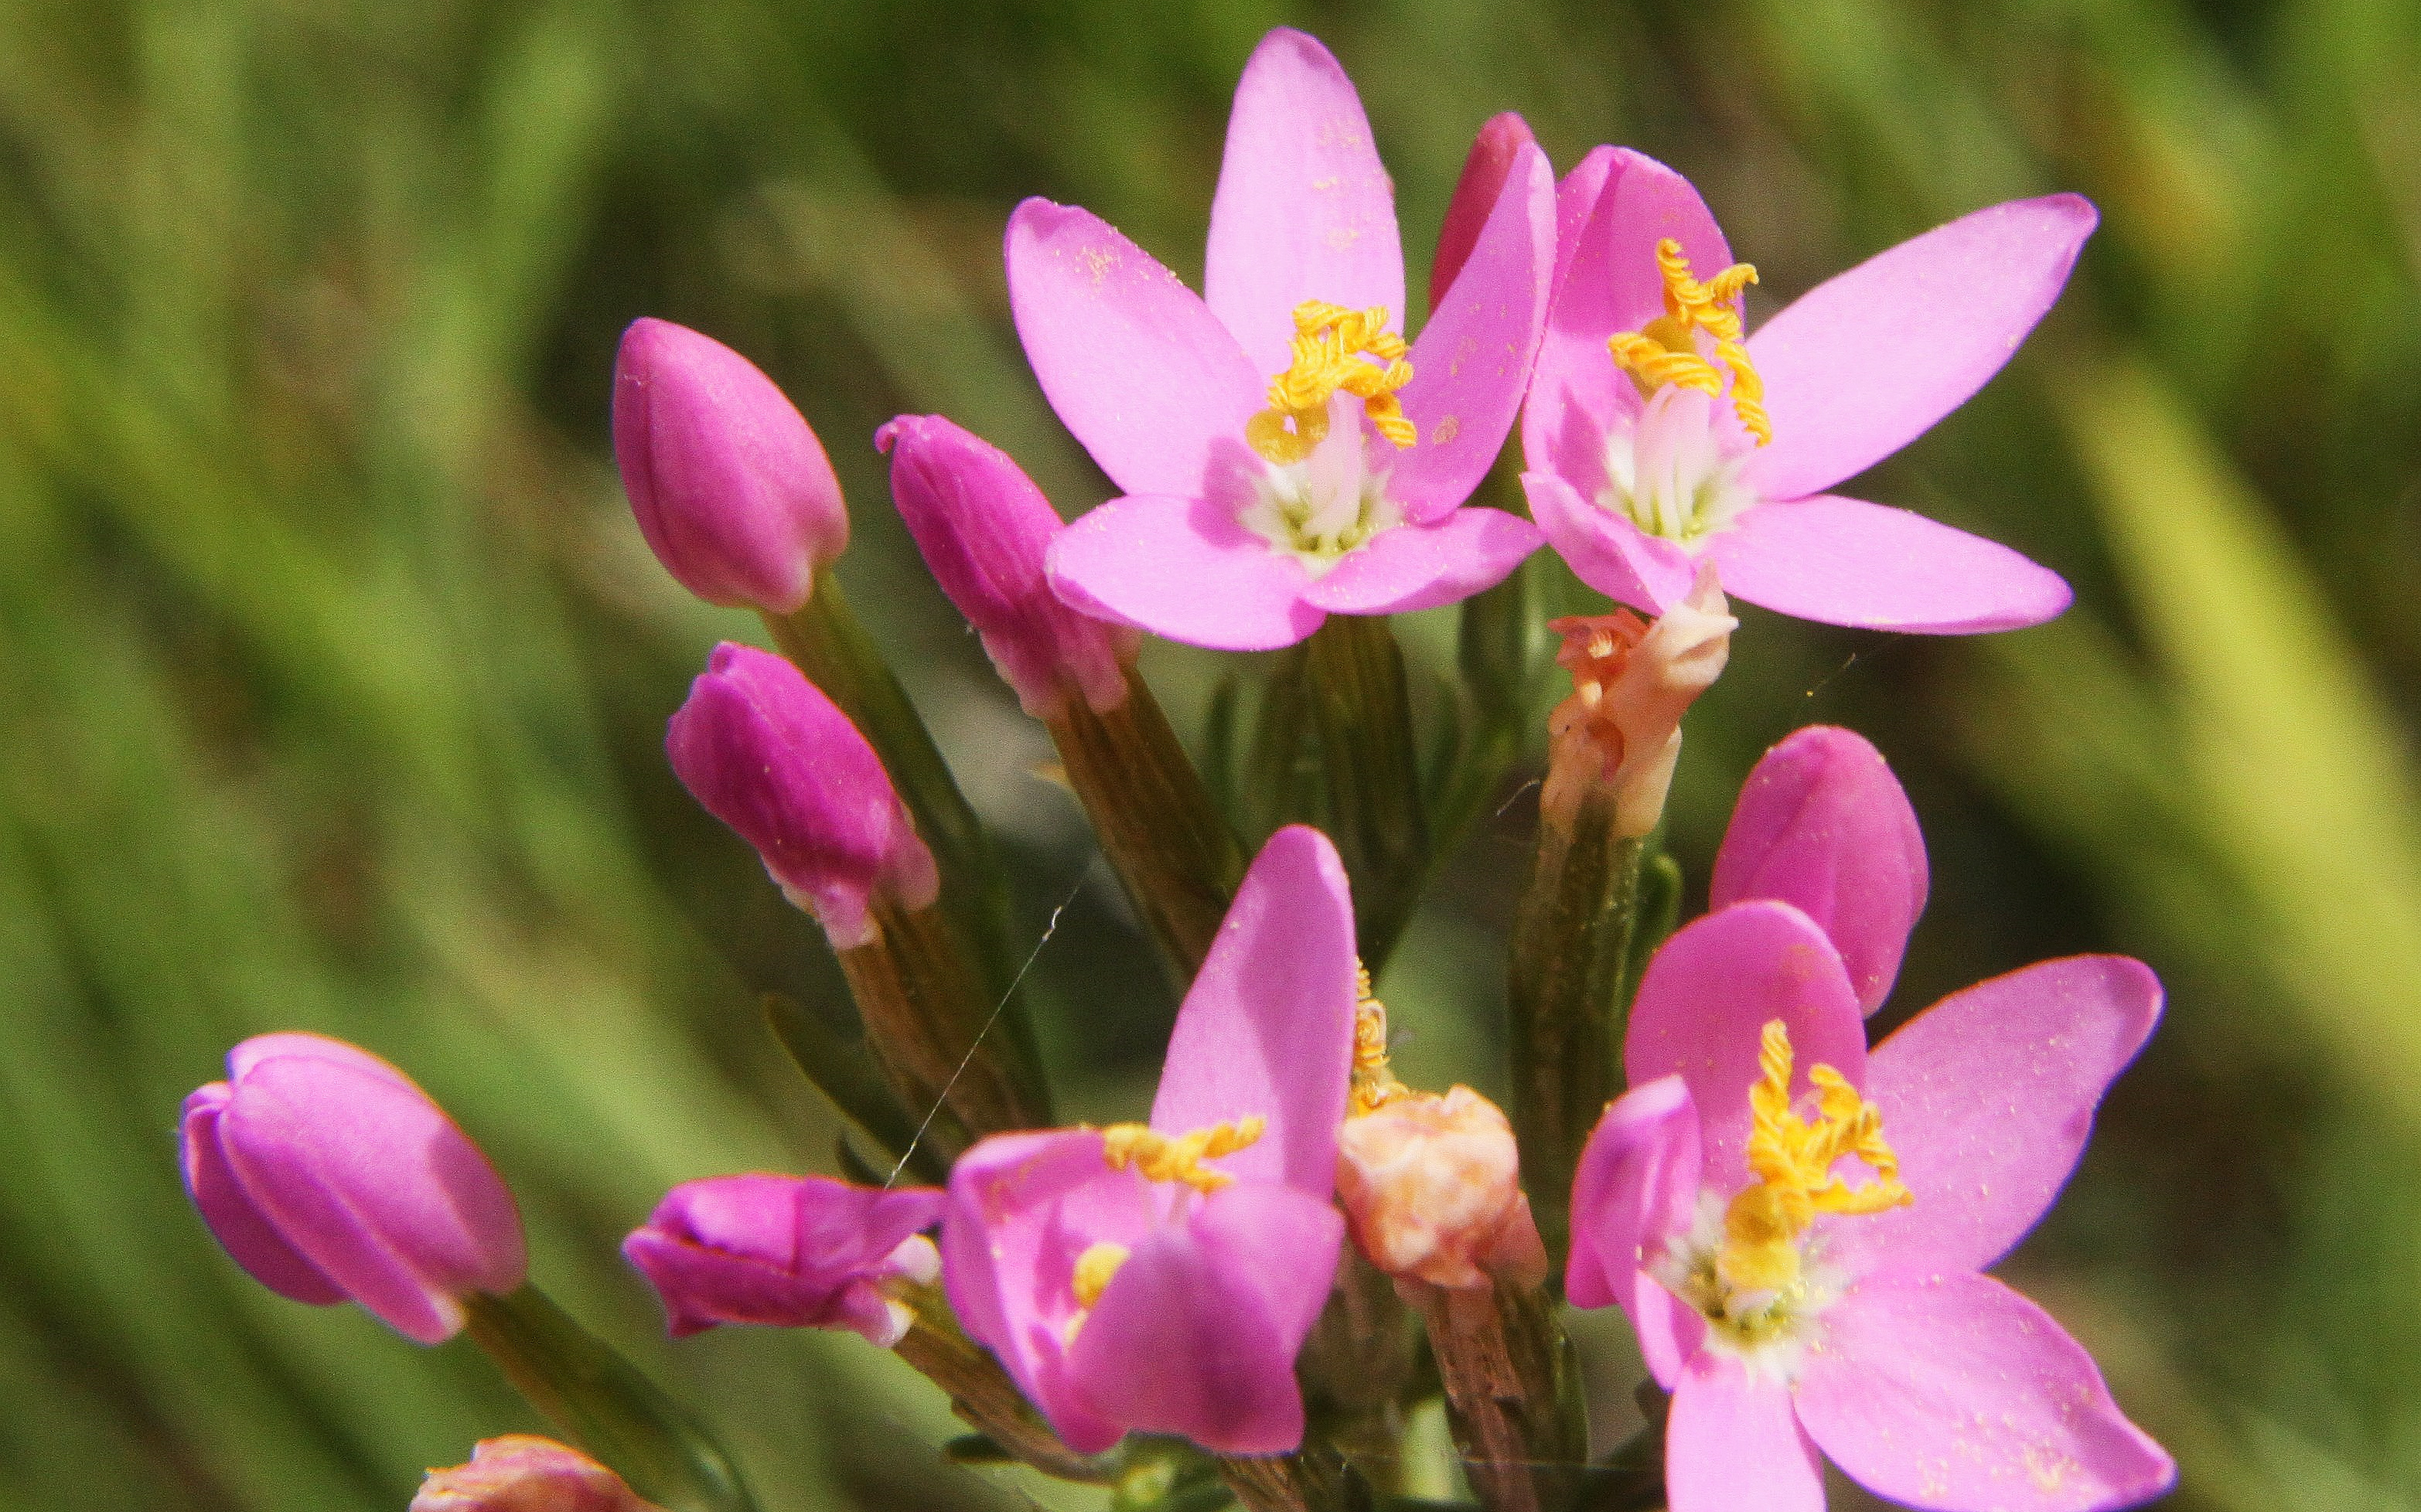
1620 730
330 1177
523 1473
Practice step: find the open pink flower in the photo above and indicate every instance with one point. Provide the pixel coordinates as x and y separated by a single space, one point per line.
1284 455
1659 432
1162 1277
1797 1229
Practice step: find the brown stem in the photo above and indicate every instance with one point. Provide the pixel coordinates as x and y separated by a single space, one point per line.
1498 1354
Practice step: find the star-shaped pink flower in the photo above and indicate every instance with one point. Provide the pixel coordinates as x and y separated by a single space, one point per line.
1247 520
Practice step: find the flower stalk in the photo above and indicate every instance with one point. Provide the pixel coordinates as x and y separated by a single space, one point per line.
983 1396
1503 1365
1362 711
602 1401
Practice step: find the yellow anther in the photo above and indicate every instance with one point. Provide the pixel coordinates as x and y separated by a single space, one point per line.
1179 1157
1374 1085
1094 1269
1666 351
1792 1161
1335 350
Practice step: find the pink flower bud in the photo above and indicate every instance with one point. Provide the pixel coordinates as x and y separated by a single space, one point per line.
1434 1187
730 487
1493 155
328 1175
983 529
1631 683
798 1251
767 754
523 1473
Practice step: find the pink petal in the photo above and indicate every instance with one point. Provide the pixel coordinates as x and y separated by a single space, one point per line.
1706 999
1472 361
1823 825
1988 1096
1197 1333
1955 1392
1646 204
307 1046
1608 552
1636 1187
235 1222
1184 569
1576 196
1495 153
1135 364
1303 210
1733 1444
1865 363
376 1187
1421 566
1847 562
1022 1208
1267 1029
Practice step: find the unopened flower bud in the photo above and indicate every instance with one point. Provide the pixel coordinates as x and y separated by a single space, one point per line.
328 1175
769 754
523 1473
796 1252
983 529
1620 730
1432 1185
1493 153
729 486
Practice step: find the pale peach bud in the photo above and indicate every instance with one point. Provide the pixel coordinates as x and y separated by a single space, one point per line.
523 1473
1631 682
1432 1185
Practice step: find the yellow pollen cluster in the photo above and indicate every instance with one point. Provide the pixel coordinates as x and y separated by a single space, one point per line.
1667 352
1179 1157
1094 1269
1374 1085
1792 1161
1331 344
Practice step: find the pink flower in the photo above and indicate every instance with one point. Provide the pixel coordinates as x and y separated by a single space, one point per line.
1657 434
983 529
769 754
1284 455
1495 156
1797 1229
328 1175
1162 1278
796 1252
729 486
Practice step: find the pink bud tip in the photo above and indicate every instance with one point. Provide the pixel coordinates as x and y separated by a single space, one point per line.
984 529
328 1175
1493 155
767 753
729 486
798 1251
523 1473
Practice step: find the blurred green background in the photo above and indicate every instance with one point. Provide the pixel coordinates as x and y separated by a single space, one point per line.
333 672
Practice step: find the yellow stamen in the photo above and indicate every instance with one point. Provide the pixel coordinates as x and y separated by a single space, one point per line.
1329 345
1666 351
1792 1161
1094 1269
1179 1157
1374 1085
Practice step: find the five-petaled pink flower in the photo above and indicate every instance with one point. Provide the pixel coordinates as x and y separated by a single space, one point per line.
1284 455
1659 432
1162 1277
1797 1229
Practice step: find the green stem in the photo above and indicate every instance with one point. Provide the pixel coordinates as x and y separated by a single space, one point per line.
603 1404
1158 827
1363 711
1571 934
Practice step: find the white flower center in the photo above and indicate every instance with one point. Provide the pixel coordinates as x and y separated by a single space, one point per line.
1327 505
1675 472
1769 1331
